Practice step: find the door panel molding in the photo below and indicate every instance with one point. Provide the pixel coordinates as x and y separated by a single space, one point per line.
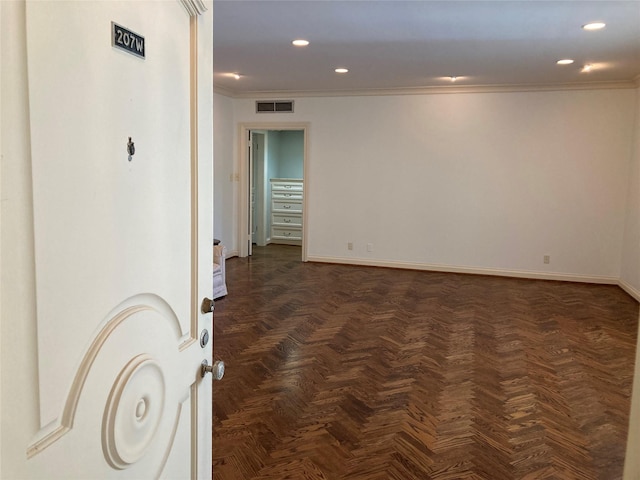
123 312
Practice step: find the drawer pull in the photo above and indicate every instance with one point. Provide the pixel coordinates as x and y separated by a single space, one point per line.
287 220
287 194
287 186
287 206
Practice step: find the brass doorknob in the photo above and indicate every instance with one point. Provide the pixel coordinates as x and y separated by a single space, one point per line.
207 305
217 369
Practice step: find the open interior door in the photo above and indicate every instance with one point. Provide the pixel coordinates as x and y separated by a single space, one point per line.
252 194
113 106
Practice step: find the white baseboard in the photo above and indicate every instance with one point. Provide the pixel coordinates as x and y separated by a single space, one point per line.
232 253
634 292
472 270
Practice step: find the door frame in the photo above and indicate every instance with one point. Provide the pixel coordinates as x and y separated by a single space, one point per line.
243 162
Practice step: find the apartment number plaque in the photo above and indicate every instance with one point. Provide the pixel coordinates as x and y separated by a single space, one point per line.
127 40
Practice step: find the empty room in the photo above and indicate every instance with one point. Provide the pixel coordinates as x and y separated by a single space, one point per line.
446 283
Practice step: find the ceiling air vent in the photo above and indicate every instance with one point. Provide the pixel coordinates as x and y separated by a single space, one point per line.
277 106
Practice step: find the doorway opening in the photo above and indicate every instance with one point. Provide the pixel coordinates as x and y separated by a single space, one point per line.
273 186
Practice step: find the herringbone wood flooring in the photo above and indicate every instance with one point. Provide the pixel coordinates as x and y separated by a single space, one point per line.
346 372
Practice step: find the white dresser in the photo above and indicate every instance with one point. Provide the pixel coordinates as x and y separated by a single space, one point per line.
286 210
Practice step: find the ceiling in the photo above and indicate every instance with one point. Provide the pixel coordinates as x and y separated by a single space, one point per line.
397 45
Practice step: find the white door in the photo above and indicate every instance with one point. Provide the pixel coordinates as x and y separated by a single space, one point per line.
252 193
254 223
259 188
122 243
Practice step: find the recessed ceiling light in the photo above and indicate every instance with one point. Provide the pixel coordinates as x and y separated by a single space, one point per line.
452 78
594 26
300 43
565 61
236 76
587 68
341 70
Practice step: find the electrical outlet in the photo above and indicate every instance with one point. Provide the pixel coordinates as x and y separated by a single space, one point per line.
369 247
546 259
350 246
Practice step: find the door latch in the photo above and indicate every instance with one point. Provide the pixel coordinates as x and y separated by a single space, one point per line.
204 338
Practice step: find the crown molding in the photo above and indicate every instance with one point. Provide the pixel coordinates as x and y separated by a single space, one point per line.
223 91
458 89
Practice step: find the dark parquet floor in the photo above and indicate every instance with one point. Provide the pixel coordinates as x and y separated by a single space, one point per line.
346 372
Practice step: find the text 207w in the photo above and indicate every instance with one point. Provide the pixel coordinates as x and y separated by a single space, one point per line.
127 40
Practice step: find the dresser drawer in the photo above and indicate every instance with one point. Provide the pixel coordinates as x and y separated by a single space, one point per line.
284 186
287 206
282 219
284 195
286 233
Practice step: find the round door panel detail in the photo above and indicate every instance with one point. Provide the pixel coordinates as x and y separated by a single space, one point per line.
133 411
129 408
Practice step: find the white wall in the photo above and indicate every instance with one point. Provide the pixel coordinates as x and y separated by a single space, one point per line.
487 181
630 277
225 204
630 268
